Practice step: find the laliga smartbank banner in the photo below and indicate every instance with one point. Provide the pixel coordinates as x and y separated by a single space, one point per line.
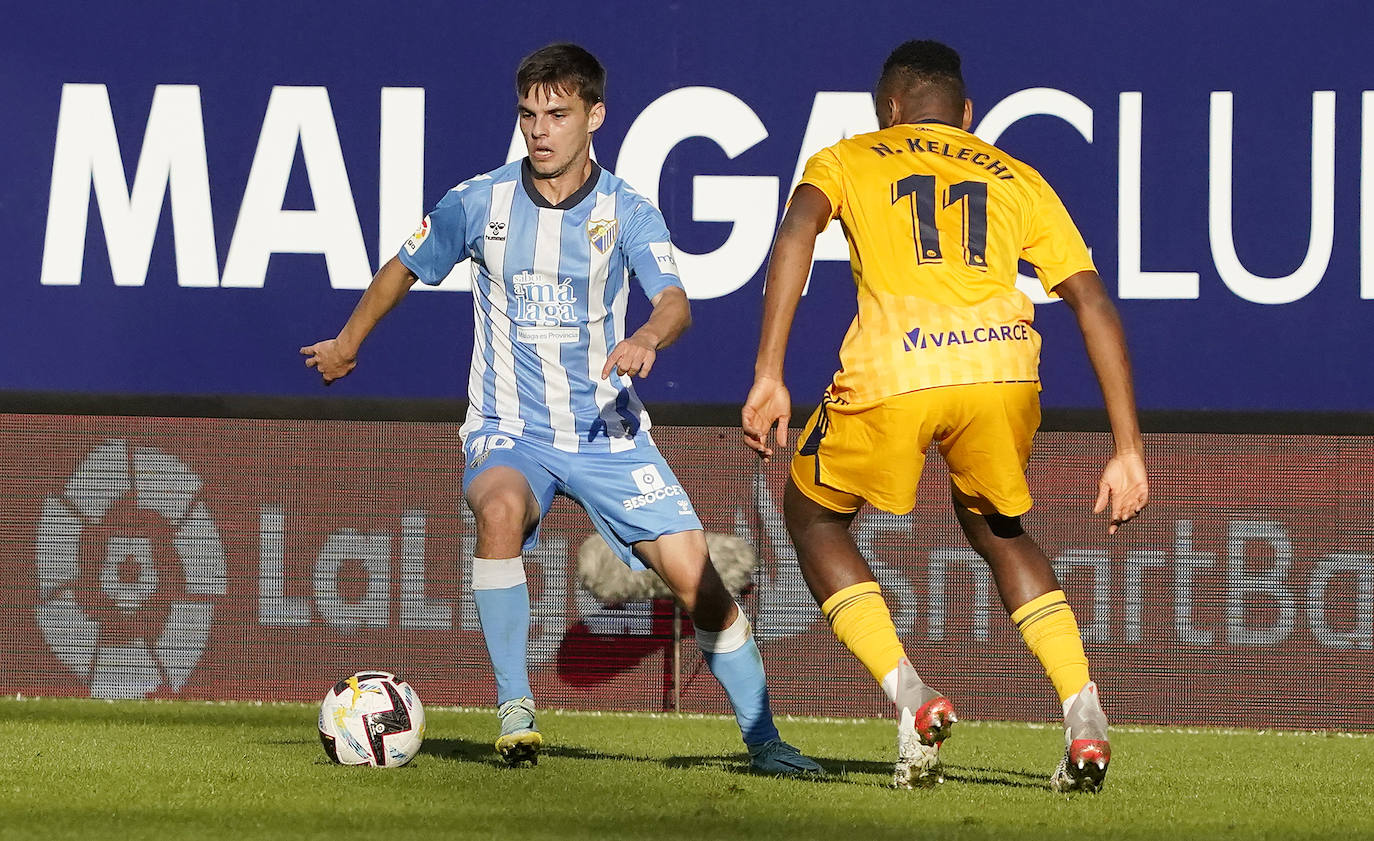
237 559
181 217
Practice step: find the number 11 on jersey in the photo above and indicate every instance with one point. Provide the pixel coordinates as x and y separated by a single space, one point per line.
973 195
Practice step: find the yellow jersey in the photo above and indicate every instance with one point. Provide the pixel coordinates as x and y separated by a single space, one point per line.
937 221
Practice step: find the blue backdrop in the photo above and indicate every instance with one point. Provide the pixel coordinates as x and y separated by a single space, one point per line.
1214 155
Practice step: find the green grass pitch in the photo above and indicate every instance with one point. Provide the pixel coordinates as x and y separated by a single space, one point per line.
181 770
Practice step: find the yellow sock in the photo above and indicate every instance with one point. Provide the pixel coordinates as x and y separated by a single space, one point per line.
860 619
1051 633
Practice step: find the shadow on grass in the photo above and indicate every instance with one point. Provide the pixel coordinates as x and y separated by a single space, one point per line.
467 750
840 771
483 752
1007 777
854 772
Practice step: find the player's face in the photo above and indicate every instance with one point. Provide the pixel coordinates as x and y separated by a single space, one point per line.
558 130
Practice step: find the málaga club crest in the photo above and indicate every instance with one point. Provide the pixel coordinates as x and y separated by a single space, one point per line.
602 233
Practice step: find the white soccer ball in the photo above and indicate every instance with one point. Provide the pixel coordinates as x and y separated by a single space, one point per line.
372 718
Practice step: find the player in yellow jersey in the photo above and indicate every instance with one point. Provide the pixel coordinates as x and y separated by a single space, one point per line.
942 350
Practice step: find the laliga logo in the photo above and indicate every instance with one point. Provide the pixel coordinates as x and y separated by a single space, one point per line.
127 560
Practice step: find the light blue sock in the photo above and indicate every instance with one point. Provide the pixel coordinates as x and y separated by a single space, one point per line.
503 607
735 661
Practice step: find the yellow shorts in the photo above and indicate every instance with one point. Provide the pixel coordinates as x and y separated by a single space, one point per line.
849 454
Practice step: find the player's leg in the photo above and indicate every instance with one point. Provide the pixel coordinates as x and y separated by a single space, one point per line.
726 641
850 598
987 458
839 449
499 489
1032 595
640 508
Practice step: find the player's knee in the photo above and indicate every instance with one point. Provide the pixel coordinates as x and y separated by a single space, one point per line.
986 531
709 603
1007 528
503 514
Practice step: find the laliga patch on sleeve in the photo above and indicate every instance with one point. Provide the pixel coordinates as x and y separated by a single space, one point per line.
421 234
663 254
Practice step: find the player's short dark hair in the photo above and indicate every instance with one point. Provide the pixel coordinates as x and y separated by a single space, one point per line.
924 64
563 68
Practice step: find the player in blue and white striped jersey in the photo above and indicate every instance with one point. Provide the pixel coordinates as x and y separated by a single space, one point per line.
550 287
554 241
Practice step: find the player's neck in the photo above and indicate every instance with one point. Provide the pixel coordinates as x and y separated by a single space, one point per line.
918 118
560 187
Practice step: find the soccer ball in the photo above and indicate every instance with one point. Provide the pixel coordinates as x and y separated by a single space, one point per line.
372 718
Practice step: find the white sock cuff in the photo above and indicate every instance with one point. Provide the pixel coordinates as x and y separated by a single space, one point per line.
889 684
729 639
1069 701
498 573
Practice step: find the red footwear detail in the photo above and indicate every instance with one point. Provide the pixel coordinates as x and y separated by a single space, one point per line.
934 721
1084 766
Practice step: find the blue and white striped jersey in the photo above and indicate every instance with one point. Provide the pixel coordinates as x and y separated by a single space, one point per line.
549 291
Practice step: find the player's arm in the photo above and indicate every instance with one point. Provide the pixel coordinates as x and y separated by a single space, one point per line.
334 358
648 251
1124 488
769 405
635 356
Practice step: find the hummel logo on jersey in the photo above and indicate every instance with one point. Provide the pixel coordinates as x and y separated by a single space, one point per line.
496 231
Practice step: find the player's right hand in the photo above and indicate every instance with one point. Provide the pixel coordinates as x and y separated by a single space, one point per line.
768 407
330 358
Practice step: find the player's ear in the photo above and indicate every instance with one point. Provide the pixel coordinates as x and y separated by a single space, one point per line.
596 115
889 112
968 114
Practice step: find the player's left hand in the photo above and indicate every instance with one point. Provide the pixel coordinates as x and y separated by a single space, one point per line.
1124 487
633 357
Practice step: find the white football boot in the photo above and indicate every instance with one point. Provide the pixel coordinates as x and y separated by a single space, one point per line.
1087 752
924 720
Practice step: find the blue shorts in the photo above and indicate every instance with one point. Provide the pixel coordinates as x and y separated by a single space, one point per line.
630 496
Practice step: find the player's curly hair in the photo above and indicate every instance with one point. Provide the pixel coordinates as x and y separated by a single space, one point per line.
930 65
563 68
